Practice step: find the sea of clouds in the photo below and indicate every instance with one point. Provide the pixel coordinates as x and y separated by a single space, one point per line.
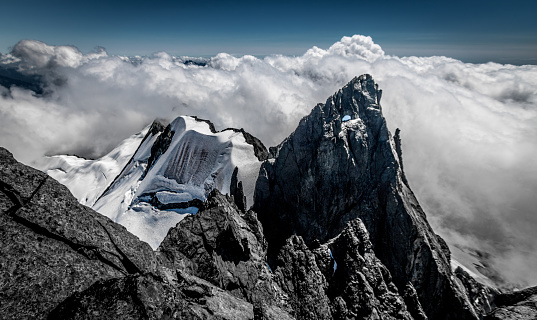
469 130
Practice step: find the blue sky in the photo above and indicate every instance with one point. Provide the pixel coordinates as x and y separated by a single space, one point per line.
473 31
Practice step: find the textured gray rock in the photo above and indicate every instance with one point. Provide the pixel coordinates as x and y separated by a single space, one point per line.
51 246
224 246
341 279
482 296
329 172
176 296
361 280
299 276
519 305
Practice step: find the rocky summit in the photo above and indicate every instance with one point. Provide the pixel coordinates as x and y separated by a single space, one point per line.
329 229
331 171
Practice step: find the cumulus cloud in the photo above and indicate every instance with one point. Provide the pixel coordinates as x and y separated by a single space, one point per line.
37 55
469 131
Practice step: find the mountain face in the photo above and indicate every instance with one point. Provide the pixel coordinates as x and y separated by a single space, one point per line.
326 228
341 164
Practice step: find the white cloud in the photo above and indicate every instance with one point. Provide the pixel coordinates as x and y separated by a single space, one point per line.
469 131
38 55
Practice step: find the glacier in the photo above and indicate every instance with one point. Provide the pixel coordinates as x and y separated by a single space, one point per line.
152 192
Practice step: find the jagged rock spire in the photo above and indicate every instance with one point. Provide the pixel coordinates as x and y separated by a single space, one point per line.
329 172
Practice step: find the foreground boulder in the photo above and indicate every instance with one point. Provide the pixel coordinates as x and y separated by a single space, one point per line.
52 246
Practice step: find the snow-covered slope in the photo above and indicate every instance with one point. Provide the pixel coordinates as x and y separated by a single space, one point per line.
87 179
475 264
173 172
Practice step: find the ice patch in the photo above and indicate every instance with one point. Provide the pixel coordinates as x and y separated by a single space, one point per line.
191 210
335 263
166 197
346 118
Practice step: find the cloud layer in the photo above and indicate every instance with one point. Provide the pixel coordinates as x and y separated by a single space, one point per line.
469 131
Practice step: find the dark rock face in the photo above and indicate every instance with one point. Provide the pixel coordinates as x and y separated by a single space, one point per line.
237 192
51 246
260 150
481 296
342 279
299 276
160 146
224 246
329 172
519 305
361 280
178 296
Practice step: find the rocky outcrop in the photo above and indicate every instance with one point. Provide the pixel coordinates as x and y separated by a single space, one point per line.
224 246
237 191
299 276
482 296
341 279
329 172
159 147
361 282
51 246
519 305
177 296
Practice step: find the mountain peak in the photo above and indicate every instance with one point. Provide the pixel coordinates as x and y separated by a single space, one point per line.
360 98
332 170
